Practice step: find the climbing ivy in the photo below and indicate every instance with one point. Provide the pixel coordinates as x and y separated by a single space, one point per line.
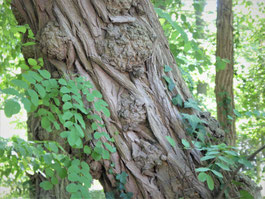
217 158
121 178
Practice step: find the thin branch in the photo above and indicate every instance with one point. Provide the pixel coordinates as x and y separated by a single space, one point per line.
250 158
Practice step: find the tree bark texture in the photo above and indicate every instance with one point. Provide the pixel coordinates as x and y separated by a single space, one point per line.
120 47
224 78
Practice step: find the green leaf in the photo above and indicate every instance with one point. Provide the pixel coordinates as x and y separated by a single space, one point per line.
167 79
171 86
11 107
32 62
62 173
193 120
233 153
237 113
191 104
67 115
66 97
97 106
109 147
79 117
170 83
72 138
10 91
46 185
90 97
167 68
105 155
65 90
96 93
57 101
210 182
54 180
122 177
40 90
187 46
218 174
53 83
73 177
62 82
96 156
34 97
29 43
49 172
171 141
202 177
71 188
220 64
87 150
245 162
48 158
67 106
223 166
110 195
245 195
45 74
45 123
226 160
105 111
76 195
74 169
65 134
128 195
35 75
102 102
79 130
68 124
27 104
212 153
24 67
202 169
97 135
208 157
174 24
20 83
29 78
94 126
84 191
177 101
53 147
21 29
185 143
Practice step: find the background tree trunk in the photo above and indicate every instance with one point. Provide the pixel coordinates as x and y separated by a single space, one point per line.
224 78
120 47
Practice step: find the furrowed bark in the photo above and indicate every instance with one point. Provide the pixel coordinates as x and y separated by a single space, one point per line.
224 78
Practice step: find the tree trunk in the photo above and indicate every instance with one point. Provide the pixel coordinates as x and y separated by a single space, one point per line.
224 77
120 47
